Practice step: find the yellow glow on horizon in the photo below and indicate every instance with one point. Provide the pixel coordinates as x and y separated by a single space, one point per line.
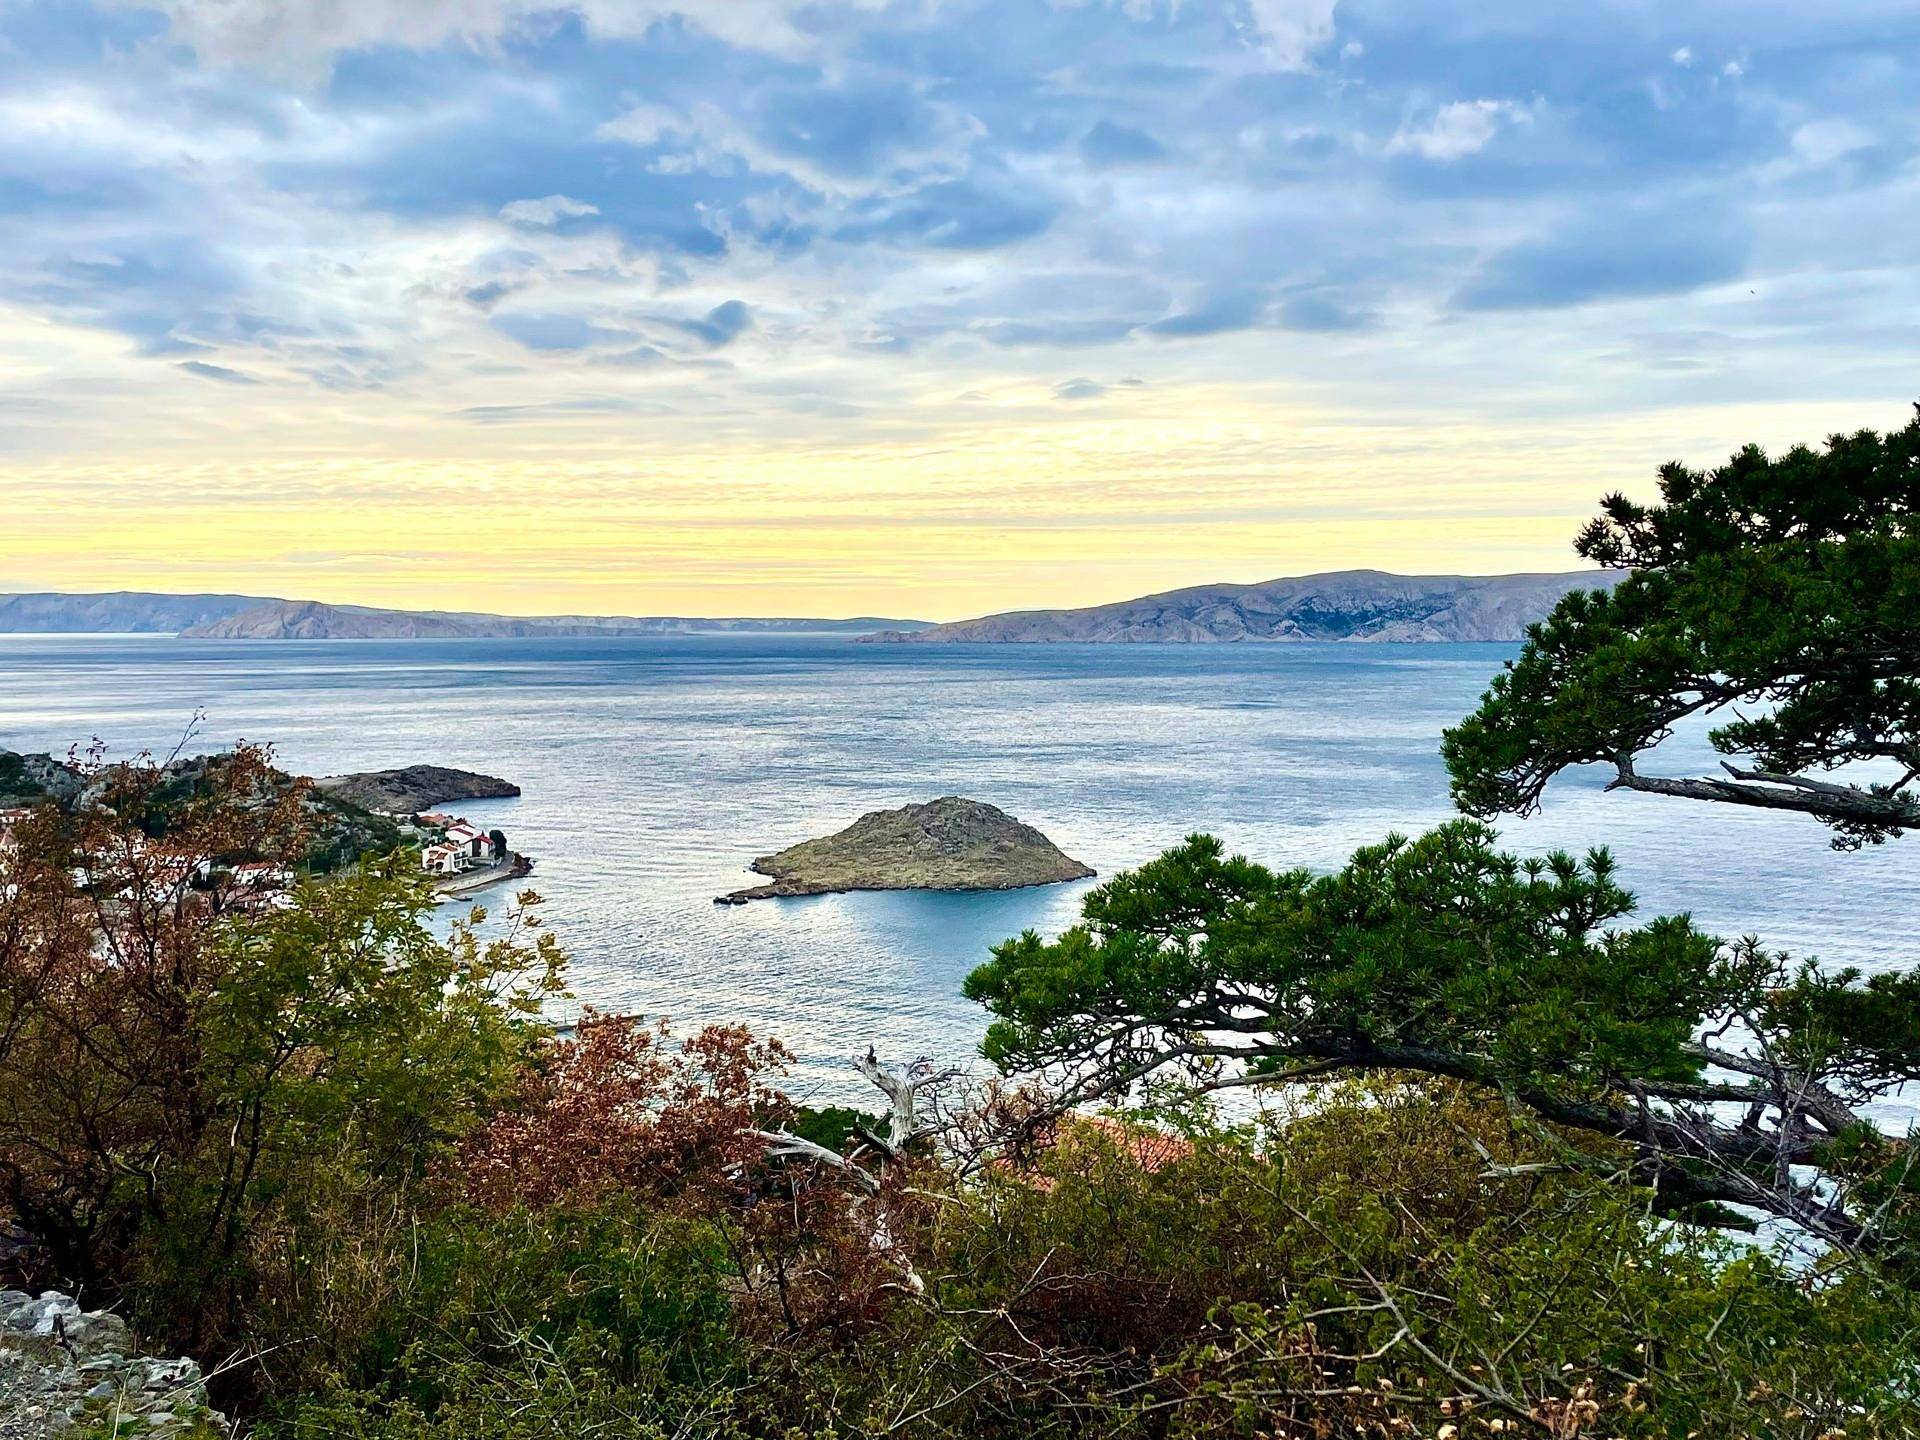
1014 510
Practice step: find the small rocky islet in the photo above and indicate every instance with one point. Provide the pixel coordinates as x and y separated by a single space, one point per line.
951 843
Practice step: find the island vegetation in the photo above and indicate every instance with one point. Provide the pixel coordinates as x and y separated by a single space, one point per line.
951 843
1515 1142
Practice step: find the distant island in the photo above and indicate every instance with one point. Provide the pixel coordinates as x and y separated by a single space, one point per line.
947 844
1343 605
253 617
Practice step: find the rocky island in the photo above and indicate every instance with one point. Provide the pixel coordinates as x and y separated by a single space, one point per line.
946 844
413 788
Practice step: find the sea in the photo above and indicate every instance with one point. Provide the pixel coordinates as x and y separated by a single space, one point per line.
653 771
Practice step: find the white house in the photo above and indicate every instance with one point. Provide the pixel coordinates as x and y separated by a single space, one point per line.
441 860
473 843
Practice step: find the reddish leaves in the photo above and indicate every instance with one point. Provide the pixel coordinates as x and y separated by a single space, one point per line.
619 1107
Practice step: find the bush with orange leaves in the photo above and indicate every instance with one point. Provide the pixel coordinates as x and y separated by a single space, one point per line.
619 1112
618 1108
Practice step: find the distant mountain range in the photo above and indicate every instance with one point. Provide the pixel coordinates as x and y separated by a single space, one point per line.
1353 605
254 617
1340 605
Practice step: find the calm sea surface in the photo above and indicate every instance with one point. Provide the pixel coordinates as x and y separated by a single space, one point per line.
655 769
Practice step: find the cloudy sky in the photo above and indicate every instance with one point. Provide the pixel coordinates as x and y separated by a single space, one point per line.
925 308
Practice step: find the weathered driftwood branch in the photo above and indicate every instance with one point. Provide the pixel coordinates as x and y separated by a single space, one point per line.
902 1086
785 1145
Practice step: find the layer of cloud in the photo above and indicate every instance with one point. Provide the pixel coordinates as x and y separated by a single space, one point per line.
301 40
878 201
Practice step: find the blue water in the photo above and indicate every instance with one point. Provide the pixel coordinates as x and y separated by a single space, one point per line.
655 769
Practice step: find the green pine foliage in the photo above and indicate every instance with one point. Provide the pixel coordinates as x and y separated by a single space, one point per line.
1780 597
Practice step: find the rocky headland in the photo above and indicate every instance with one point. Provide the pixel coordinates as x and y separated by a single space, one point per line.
413 788
946 844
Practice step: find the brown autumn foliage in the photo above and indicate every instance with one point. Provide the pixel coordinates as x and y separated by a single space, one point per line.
618 1111
192 1068
105 954
618 1108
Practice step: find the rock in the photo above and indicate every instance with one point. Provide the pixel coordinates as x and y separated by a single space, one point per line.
413 788
946 844
36 779
97 1333
58 1377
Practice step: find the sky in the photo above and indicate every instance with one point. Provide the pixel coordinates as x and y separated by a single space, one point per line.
918 309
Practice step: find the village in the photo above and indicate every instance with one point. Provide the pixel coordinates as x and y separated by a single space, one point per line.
459 857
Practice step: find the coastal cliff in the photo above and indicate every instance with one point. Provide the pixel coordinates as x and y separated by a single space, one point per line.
1346 605
116 612
947 844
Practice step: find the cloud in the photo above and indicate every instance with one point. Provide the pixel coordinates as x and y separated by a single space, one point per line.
721 325
1625 253
554 409
1110 144
554 331
490 292
950 215
1080 388
221 373
1319 310
1289 31
432 201
1462 128
301 40
547 211
1216 315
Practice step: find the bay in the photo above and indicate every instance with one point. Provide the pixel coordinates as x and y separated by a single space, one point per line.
654 769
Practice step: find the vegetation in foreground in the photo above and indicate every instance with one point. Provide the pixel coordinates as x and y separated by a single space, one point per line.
1511 1140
